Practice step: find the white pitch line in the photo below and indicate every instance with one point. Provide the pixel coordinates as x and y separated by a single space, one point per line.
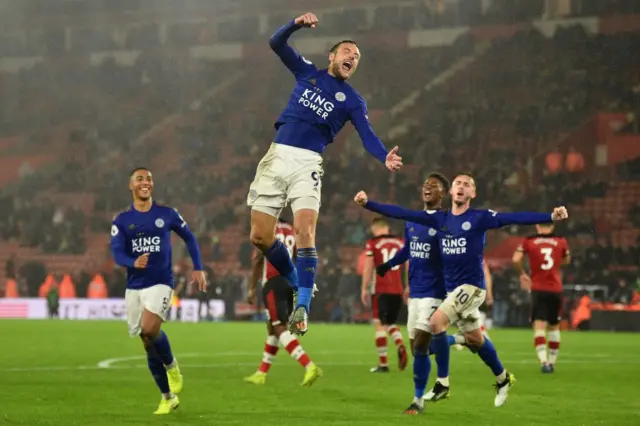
101 365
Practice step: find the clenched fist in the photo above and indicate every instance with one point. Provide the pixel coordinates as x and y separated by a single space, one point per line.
559 213
307 20
361 198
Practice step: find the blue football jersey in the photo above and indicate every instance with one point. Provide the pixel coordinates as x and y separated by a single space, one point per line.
462 237
320 104
426 277
134 233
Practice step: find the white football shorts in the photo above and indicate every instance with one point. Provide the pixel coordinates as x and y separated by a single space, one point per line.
155 299
286 174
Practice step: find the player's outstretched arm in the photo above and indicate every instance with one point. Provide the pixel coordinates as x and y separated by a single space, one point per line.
118 247
494 220
288 55
397 212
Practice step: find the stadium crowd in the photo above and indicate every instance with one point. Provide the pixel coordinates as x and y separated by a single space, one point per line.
503 119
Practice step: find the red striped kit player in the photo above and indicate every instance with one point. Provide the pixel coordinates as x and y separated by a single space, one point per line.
278 300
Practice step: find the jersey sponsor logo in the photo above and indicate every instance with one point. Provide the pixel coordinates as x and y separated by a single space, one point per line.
159 223
145 245
341 97
466 225
318 104
420 250
454 246
114 230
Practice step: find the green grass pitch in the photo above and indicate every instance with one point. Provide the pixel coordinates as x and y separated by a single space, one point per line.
50 375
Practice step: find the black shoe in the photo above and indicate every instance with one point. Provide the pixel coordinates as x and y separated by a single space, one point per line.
380 369
439 392
547 368
413 409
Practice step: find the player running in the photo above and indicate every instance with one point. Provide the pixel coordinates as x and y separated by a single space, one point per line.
278 299
141 242
387 298
462 242
426 288
291 172
547 252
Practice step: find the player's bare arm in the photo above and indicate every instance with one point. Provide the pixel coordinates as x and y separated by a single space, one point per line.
367 275
257 266
518 264
488 280
566 258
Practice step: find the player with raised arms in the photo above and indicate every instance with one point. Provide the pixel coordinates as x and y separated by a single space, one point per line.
278 299
426 287
462 239
547 252
141 242
291 171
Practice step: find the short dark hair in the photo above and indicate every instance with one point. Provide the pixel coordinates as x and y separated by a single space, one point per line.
137 169
335 47
379 221
443 180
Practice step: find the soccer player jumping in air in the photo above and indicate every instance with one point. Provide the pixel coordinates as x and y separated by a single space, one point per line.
141 242
291 171
462 238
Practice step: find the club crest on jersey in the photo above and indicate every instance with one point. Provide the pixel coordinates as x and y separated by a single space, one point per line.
341 97
253 194
114 230
432 232
159 223
466 225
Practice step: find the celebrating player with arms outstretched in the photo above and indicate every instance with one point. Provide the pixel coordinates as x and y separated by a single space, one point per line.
141 242
547 253
462 242
426 288
278 299
291 172
386 300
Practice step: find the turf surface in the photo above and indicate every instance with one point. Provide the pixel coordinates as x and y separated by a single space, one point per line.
51 375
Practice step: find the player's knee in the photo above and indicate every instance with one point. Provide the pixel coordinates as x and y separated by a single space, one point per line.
439 322
421 343
260 237
279 329
474 339
305 235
